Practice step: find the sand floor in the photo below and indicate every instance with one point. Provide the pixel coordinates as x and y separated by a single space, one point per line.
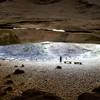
68 82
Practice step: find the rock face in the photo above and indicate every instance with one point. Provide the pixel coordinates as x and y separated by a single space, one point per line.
46 9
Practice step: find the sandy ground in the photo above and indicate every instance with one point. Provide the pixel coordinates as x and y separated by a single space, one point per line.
68 82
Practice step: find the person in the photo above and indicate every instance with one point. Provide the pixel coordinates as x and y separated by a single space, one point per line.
60 58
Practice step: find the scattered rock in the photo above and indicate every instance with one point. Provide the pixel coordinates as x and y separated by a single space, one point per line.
8 89
22 83
58 67
15 66
22 65
8 76
3 59
42 71
18 71
97 90
46 80
9 82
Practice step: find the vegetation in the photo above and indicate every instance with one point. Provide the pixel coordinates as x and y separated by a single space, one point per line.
8 37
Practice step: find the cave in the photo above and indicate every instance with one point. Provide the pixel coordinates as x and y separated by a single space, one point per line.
49 49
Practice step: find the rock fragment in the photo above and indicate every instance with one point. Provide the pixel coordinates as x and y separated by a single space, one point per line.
19 71
8 76
58 67
15 66
22 65
8 82
8 89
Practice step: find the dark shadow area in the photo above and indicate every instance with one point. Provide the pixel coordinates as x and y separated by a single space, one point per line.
94 95
2 1
45 2
33 94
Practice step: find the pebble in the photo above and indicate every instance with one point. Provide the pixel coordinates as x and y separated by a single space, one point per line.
18 71
8 76
58 67
9 82
8 89
15 66
22 65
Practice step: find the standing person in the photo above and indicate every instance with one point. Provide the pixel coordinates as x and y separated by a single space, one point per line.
60 59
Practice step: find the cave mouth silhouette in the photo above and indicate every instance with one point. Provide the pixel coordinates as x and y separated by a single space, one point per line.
45 2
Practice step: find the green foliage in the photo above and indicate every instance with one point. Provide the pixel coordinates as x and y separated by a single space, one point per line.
8 37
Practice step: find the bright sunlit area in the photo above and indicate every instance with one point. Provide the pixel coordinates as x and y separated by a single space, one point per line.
51 51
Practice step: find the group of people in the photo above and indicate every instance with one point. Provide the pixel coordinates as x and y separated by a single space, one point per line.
69 62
